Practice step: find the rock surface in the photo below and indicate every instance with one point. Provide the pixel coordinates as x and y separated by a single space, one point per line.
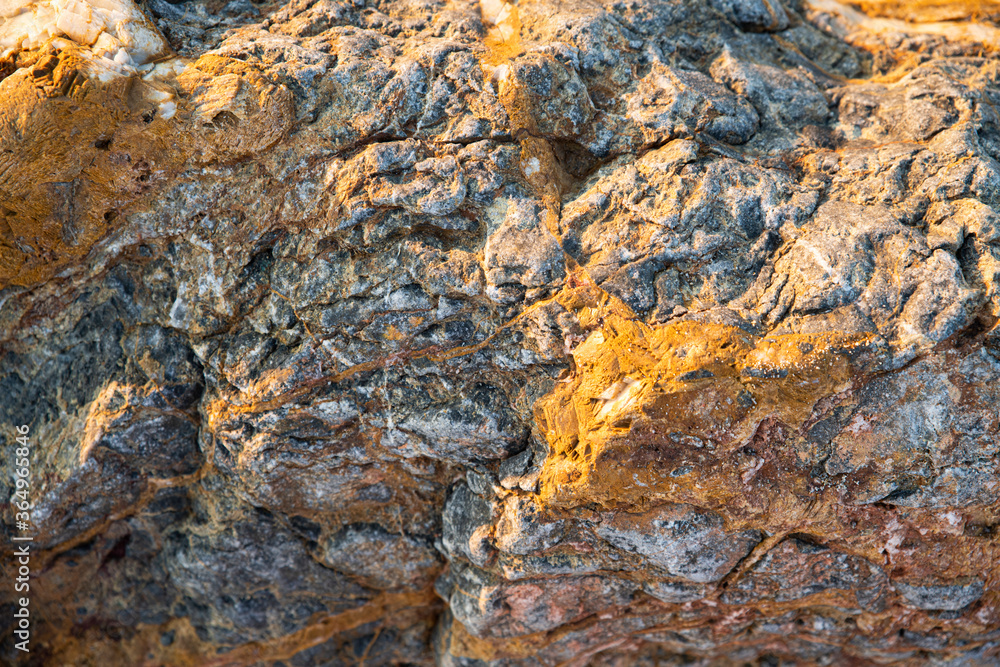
466 333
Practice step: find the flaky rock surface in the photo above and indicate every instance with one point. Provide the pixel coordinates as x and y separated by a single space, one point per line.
464 333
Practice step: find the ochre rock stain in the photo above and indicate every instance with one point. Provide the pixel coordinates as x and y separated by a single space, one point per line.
644 397
108 148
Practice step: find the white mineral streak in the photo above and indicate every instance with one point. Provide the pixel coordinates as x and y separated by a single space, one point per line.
116 32
114 36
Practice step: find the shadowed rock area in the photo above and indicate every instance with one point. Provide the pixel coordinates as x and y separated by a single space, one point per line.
488 334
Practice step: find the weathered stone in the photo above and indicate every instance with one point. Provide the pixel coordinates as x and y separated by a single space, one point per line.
940 596
796 569
380 559
680 539
490 607
519 530
252 580
754 14
467 526
502 333
923 438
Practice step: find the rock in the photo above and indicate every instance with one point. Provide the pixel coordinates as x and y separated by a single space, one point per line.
490 607
796 569
501 333
674 592
519 530
938 596
380 559
754 14
265 586
945 421
467 526
671 102
681 540
521 254
782 98
513 471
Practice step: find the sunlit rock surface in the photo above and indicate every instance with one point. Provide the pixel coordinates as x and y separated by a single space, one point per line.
396 332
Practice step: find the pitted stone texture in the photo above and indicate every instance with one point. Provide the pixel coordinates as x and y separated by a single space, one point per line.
521 531
668 103
669 211
259 584
914 308
754 14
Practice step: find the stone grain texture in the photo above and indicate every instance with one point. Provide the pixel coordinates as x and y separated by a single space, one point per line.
443 332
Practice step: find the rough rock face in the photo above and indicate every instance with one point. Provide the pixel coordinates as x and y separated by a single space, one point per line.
469 333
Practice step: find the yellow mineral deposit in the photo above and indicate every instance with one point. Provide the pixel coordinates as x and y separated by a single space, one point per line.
699 388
